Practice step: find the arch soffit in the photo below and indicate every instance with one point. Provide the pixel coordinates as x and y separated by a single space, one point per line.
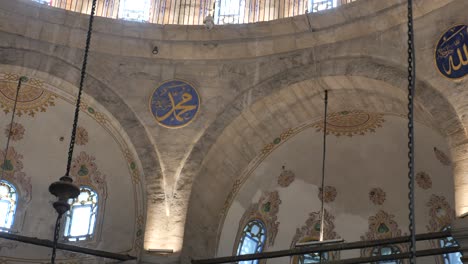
63 73
343 77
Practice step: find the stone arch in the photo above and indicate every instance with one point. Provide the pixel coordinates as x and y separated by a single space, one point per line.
206 181
63 73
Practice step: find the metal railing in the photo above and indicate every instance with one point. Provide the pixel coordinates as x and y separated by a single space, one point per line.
193 12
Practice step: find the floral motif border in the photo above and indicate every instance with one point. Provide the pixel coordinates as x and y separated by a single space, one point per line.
128 152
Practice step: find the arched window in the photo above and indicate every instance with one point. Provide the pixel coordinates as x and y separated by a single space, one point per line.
313 258
8 198
47 2
320 5
385 251
252 240
81 218
134 10
451 258
229 11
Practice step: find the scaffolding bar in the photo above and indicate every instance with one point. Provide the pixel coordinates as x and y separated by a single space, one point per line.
406 255
49 244
325 248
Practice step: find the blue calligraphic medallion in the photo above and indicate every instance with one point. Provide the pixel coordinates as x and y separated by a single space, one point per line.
451 53
174 103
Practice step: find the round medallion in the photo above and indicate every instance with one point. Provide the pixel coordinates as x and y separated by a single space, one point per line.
32 98
451 52
174 103
351 123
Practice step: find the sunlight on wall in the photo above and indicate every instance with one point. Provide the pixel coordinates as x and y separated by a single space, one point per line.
163 233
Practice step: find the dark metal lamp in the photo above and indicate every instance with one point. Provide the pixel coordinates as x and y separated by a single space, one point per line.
64 189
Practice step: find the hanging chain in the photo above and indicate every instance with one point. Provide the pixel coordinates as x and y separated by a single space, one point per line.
75 122
56 238
322 209
20 81
411 94
80 90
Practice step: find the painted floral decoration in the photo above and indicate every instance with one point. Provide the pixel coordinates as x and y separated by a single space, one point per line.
350 123
269 204
85 172
442 157
312 227
32 98
81 136
330 194
13 167
311 231
377 196
441 213
83 166
382 226
16 133
12 163
423 180
286 178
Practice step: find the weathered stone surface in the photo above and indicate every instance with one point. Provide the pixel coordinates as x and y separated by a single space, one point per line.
255 81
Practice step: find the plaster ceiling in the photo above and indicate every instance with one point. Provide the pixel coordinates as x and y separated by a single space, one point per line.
103 159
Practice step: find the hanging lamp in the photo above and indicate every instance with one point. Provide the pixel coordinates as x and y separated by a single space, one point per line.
64 189
21 80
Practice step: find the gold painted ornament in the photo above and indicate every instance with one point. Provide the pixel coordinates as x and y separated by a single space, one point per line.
32 97
350 123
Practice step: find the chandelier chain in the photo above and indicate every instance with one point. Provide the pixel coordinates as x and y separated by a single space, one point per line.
411 94
20 81
322 209
56 238
80 90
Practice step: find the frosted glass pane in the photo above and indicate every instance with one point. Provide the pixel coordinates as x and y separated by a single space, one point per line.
454 258
93 219
249 246
386 251
4 212
4 191
80 221
255 229
137 10
320 5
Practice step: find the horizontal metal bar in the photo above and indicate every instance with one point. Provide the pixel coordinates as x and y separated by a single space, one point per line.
318 243
406 255
322 248
49 244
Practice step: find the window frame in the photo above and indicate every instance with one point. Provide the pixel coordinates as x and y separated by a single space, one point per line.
16 199
95 209
394 249
260 244
448 242
220 15
312 3
123 10
299 259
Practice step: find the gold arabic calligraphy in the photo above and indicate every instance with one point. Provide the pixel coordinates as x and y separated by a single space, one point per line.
462 53
177 109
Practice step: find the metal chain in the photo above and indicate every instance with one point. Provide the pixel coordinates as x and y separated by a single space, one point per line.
56 238
21 79
322 209
411 93
75 121
80 90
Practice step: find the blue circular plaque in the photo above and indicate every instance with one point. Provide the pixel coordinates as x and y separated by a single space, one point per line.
174 103
451 53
